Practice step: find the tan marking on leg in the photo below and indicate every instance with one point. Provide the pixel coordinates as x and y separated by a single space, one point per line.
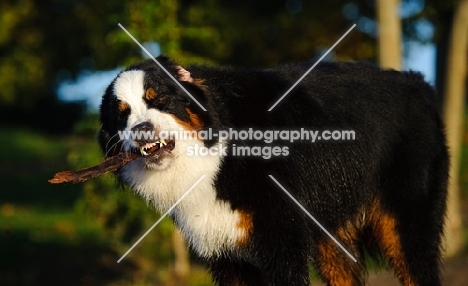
335 265
331 265
384 228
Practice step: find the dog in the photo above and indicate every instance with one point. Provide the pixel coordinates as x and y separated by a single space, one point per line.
381 193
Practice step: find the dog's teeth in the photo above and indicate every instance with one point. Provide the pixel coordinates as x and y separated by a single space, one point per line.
148 146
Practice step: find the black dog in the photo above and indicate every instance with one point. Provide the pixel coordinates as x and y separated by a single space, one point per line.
381 191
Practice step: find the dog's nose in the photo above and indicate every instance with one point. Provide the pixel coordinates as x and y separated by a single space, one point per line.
144 126
146 133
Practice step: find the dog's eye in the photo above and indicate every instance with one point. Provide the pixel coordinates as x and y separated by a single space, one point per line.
155 99
161 101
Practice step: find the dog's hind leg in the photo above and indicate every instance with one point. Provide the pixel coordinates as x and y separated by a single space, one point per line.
410 244
385 233
335 267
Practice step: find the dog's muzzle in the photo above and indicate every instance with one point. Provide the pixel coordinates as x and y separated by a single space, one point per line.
147 140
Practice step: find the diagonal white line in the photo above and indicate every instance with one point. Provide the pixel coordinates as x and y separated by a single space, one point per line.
312 217
161 218
164 69
309 70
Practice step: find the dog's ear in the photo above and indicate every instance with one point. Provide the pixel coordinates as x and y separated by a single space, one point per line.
183 74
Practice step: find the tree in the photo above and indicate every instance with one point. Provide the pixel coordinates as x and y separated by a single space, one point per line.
454 88
265 33
181 259
45 42
454 117
389 34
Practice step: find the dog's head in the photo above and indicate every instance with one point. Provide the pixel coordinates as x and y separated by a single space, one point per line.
143 108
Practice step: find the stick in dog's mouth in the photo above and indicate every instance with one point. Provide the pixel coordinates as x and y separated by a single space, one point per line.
112 163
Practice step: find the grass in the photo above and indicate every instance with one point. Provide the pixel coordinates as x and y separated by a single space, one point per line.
52 227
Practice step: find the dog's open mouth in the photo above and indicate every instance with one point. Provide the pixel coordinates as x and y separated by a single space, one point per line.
155 148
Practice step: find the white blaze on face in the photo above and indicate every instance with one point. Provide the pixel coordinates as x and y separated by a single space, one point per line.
129 88
210 225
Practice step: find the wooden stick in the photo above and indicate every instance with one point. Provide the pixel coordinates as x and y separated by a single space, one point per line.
108 165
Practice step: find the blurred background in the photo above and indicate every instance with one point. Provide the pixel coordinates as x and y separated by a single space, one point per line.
58 56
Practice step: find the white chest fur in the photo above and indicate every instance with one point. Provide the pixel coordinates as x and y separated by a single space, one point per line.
210 225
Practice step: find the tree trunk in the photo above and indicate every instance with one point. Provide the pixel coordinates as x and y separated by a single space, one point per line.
182 259
389 33
442 48
453 115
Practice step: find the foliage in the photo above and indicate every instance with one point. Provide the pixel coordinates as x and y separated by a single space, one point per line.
265 32
45 42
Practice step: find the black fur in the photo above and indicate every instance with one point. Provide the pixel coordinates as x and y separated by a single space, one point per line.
383 193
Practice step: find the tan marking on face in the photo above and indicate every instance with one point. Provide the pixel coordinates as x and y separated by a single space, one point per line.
150 94
123 107
194 122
